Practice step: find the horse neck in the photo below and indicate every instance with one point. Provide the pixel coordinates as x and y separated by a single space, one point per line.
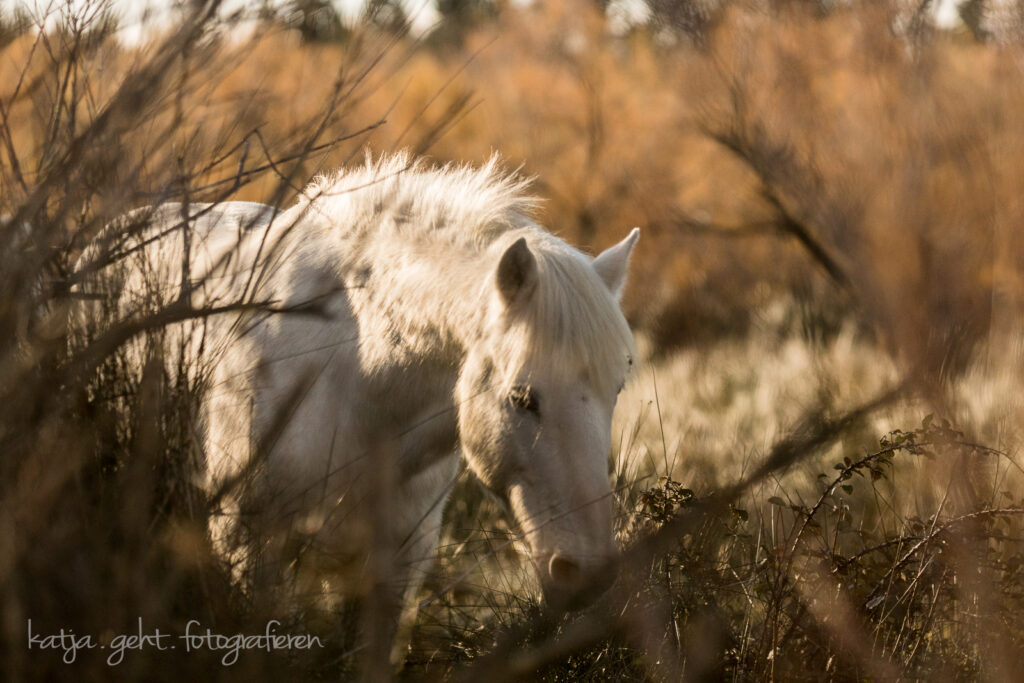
434 301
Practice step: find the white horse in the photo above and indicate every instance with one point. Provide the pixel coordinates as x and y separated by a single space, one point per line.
395 317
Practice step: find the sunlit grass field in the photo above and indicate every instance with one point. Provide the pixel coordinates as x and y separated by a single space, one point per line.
693 422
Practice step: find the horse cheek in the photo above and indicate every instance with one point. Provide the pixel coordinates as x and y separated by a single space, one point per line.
486 448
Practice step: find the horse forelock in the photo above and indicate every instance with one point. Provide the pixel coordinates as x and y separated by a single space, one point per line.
571 323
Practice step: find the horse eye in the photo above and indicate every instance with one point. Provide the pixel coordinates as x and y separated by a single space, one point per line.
524 399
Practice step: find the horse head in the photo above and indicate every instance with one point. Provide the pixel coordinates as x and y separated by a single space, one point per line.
536 395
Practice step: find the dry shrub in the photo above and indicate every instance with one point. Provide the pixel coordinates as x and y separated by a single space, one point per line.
889 156
102 518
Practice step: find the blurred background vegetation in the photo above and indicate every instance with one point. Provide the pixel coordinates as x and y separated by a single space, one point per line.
830 201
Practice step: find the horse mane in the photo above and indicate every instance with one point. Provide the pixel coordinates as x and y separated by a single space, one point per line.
461 204
572 320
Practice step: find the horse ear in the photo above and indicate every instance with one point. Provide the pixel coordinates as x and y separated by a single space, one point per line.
611 263
517 273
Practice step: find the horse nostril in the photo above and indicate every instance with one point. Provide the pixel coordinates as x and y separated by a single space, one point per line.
564 571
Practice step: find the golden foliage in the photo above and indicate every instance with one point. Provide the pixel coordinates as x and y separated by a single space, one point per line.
898 156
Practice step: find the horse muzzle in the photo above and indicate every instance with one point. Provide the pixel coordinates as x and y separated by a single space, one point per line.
571 584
